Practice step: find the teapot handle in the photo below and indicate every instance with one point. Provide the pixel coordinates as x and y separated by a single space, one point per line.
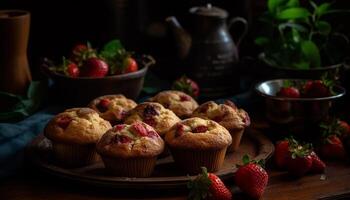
245 30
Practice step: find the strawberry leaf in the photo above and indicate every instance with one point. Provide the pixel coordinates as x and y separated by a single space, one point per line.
245 159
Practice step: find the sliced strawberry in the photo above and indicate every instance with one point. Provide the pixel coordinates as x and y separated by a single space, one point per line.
121 139
150 111
185 98
200 129
180 128
150 121
64 121
140 129
119 127
318 166
152 134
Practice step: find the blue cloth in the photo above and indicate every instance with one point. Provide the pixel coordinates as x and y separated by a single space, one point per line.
15 136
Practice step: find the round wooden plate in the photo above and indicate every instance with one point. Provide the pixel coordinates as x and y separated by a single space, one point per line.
166 174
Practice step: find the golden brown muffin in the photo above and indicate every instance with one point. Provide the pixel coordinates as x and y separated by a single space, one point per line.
197 142
179 102
229 116
130 150
153 114
112 107
74 134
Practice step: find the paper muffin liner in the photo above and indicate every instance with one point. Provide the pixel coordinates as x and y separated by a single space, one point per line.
236 135
191 160
75 155
130 167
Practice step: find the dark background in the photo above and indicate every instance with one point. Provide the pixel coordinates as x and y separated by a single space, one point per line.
57 25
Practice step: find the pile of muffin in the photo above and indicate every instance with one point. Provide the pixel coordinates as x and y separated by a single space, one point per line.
129 137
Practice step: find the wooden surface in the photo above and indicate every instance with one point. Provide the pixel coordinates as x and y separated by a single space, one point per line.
34 185
165 175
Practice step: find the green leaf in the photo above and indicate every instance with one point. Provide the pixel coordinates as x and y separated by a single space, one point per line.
323 27
311 52
112 47
245 159
298 27
322 9
314 5
274 4
293 3
293 13
262 41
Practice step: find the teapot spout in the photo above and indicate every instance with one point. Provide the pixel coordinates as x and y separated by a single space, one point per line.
182 38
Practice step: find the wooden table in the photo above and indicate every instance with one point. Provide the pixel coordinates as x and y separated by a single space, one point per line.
31 185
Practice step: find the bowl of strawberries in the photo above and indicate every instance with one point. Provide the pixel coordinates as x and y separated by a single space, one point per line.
298 101
88 73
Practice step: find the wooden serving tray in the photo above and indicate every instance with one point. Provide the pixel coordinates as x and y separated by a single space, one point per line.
166 175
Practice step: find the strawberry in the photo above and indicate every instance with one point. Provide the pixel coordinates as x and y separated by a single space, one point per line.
119 127
290 92
180 128
64 121
300 162
82 52
251 178
208 186
186 85
94 67
150 111
200 129
102 106
185 98
130 65
318 166
150 121
332 148
316 88
121 139
344 129
73 70
140 129
282 153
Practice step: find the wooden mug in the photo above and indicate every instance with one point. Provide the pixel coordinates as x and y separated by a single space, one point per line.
14 69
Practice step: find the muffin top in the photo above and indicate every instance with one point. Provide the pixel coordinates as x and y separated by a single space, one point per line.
76 126
135 140
112 107
153 114
227 114
179 102
197 133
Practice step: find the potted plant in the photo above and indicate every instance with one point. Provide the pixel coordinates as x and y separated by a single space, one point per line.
299 39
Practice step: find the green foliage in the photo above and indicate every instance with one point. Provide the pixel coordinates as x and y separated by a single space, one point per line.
299 36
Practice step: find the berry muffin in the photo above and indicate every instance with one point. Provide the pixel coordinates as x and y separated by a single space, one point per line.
112 108
130 150
179 102
229 116
197 142
74 134
153 114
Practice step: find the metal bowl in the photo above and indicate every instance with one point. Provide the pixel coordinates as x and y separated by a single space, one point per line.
301 111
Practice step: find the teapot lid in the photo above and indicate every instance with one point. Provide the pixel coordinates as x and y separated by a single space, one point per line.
210 11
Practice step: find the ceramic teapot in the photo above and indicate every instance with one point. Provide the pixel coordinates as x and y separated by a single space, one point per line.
210 54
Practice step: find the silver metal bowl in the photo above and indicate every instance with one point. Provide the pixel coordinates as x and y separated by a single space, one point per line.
284 110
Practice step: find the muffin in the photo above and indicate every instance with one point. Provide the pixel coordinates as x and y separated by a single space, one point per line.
130 150
153 114
112 108
74 134
197 142
179 102
229 116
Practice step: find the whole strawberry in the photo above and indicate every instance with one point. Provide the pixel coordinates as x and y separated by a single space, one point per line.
344 129
317 88
291 92
186 85
282 153
82 52
300 162
94 67
318 166
332 148
208 186
251 178
73 70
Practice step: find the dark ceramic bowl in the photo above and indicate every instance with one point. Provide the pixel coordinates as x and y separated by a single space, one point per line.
282 110
80 91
